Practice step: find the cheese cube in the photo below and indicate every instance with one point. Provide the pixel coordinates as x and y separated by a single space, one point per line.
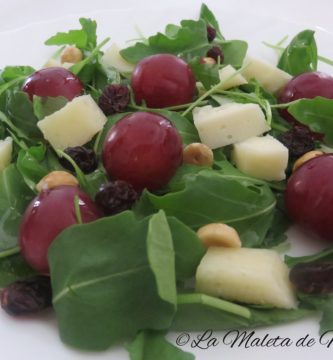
112 58
229 123
262 157
73 125
237 80
6 149
253 276
271 78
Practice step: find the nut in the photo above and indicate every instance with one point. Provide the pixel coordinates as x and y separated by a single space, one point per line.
219 234
306 157
56 178
207 60
198 154
71 54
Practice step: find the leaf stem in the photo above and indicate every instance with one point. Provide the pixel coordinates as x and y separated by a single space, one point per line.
9 252
169 108
77 209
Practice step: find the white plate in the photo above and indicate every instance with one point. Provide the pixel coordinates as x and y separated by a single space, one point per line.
37 338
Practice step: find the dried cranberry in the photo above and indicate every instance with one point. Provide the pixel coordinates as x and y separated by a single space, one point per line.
115 197
298 140
216 53
27 296
84 158
313 278
211 33
114 99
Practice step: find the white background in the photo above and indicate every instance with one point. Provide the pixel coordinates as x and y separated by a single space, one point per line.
37 338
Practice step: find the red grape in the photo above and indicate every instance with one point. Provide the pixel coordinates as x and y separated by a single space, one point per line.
53 81
308 86
163 80
309 196
144 149
47 215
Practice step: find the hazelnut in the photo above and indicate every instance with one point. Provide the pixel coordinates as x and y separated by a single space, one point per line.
219 234
207 60
71 54
56 178
306 157
198 154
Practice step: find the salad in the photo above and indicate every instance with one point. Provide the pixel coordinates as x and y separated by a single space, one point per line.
150 188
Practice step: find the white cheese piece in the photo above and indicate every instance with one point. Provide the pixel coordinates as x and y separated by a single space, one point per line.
57 63
268 76
6 149
237 80
73 125
262 157
112 58
253 276
229 123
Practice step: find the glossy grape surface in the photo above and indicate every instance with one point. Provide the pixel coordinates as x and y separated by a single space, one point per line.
53 81
144 149
163 80
47 215
307 85
309 196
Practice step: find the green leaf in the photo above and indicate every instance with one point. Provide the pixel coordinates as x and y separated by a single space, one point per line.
89 27
317 113
188 40
207 15
123 269
207 74
149 345
14 198
234 52
212 196
300 55
20 111
324 255
44 106
277 232
13 72
13 268
217 314
77 38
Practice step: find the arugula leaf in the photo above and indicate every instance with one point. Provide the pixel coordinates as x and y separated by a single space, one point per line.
325 255
84 39
188 40
13 268
44 106
20 110
317 113
217 314
300 55
207 74
129 274
13 72
234 52
14 198
207 15
212 196
150 345
277 232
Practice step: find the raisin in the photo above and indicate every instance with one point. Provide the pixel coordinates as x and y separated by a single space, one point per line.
84 158
211 33
299 140
114 99
216 53
27 296
313 278
115 197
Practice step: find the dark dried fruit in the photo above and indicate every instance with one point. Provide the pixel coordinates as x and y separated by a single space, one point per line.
313 278
27 296
115 197
84 158
216 53
298 140
211 33
114 99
